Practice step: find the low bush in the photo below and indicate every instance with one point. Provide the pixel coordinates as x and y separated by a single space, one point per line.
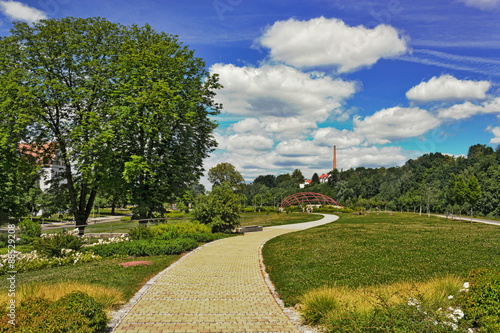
30 230
74 313
145 247
481 304
108 297
82 304
54 244
140 232
179 229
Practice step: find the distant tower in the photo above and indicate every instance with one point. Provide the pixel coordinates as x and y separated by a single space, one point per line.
334 157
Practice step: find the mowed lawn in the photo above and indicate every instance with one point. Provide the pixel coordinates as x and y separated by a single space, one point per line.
378 249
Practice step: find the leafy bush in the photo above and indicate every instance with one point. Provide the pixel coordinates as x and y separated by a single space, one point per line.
220 209
146 247
179 229
140 232
82 304
74 313
53 245
30 229
481 304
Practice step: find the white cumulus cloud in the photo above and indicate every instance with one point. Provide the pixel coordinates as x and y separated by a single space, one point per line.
446 88
496 133
468 109
329 136
280 91
395 123
323 41
19 11
370 157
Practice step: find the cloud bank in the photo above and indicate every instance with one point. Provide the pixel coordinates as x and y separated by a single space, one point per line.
19 11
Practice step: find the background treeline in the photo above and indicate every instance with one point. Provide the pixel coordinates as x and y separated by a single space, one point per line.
433 182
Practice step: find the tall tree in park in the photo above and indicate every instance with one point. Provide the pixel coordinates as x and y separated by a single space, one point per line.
315 179
226 173
114 99
473 192
298 176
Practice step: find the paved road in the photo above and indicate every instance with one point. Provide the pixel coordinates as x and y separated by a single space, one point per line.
91 221
219 287
472 219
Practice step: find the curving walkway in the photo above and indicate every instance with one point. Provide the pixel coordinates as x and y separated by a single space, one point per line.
219 287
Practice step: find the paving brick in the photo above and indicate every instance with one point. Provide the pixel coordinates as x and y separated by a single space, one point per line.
217 288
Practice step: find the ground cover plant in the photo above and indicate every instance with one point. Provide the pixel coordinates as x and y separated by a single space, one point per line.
359 253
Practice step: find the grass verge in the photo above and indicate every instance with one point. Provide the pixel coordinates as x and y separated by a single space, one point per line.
378 249
106 273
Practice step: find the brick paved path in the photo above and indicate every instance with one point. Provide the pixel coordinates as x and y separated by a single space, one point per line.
217 288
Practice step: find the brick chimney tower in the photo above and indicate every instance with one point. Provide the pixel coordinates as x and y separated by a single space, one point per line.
334 157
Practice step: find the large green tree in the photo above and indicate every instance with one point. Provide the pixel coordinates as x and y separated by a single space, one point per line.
226 173
116 100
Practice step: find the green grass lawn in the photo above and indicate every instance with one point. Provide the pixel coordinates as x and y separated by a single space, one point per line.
106 273
272 219
262 219
378 249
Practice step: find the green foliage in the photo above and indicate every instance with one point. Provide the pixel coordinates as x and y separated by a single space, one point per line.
30 229
226 173
140 232
53 245
82 304
141 115
481 303
388 318
179 229
220 209
146 247
74 313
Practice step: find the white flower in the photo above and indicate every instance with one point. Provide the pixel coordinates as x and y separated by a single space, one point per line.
413 302
466 285
458 314
450 297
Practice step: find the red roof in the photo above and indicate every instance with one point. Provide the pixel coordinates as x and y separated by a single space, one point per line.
41 153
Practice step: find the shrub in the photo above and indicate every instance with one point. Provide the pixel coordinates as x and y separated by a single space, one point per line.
179 229
108 297
53 245
481 304
74 313
82 304
140 232
145 247
30 230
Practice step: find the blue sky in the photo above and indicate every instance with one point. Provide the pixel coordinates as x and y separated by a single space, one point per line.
384 81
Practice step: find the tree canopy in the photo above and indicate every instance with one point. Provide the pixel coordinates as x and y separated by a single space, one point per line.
226 173
123 104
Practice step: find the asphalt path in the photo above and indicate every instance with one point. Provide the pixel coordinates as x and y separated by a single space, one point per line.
90 221
471 219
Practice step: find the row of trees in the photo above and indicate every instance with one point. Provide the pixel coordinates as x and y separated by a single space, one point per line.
127 108
435 181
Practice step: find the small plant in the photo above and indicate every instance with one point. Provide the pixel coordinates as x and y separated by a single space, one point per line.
30 230
82 304
76 312
140 232
145 247
53 245
481 302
